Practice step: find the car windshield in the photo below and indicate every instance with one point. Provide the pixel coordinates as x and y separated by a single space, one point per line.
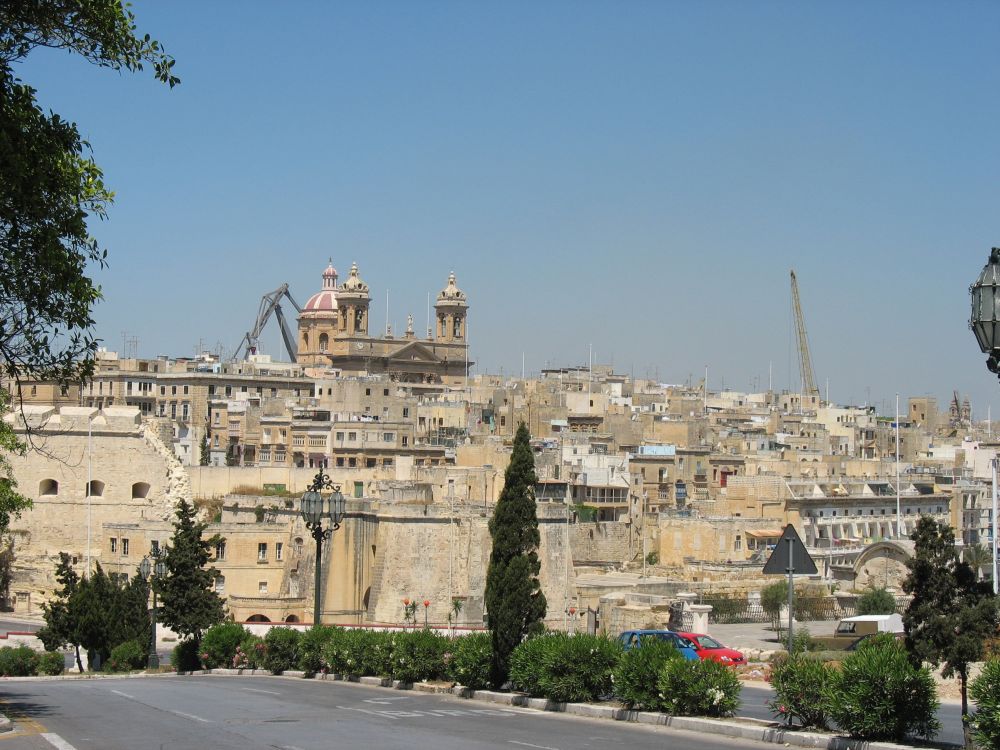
669 637
707 642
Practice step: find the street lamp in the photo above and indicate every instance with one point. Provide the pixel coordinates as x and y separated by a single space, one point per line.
158 570
314 509
985 324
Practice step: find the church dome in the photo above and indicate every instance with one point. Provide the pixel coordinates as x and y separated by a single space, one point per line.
324 300
354 284
451 293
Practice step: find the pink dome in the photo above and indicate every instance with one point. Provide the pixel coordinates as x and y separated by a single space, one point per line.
324 300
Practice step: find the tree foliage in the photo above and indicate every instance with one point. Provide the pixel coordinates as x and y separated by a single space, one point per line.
876 602
951 613
97 613
187 592
204 455
12 502
50 185
514 600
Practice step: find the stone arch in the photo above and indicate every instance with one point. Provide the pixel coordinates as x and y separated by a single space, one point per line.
140 490
292 618
258 618
48 487
324 342
95 488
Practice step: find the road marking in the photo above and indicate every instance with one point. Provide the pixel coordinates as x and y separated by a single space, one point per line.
124 695
290 747
57 742
257 690
385 701
189 716
528 744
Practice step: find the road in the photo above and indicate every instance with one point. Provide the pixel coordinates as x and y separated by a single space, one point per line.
238 713
755 705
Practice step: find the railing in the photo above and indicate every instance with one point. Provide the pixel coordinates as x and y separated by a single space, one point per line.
730 610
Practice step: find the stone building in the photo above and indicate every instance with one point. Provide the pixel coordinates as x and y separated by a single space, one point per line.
334 333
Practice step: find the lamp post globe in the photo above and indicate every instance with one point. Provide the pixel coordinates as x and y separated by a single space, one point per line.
145 568
314 508
985 324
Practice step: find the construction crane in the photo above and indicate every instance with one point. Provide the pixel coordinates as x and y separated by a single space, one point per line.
270 304
805 359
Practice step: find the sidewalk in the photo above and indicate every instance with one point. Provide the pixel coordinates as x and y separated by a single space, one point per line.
759 636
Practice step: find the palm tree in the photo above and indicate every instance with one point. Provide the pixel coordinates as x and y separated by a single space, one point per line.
978 557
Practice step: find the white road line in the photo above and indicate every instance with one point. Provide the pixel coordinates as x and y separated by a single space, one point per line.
57 742
290 747
256 690
189 716
124 695
528 744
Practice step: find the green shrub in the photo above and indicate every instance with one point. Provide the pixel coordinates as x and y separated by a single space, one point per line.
773 598
526 664
18 661
800 686
877 694
637 671
876 602
281 650
184 657
802 642
418 655
311 647
566 668
250 653
698 688
360 652
218 644
51 663
127 656
470 660
985 691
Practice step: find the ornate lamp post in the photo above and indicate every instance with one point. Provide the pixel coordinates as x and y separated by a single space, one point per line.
158 569
314 509
985 324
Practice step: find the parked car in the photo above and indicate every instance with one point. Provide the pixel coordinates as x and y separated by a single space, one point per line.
635 639
708 648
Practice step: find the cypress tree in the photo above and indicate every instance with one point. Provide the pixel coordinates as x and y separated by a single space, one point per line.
205 453
951 613
189 604
514 600
60 621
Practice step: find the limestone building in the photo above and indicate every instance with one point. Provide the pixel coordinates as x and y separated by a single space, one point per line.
334 333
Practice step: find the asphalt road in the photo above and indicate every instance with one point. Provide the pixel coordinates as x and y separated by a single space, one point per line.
755 705
239 713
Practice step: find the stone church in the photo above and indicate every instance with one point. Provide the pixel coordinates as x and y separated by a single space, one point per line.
333 333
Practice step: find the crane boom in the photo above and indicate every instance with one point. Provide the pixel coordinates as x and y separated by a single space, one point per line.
805 359
270 304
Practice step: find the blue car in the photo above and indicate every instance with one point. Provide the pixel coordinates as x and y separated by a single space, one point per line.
635 639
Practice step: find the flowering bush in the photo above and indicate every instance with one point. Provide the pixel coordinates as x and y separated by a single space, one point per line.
877 694
698 688
250 653
637 671
218 644
418 655
470 662
127 656
311 648
18 661
282 650
570 668
985 691
51 663
800 685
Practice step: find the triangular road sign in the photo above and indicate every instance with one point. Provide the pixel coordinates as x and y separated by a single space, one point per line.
778 563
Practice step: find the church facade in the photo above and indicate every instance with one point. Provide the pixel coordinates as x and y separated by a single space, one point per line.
333 332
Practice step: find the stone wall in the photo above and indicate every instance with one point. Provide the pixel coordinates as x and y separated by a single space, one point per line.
602 541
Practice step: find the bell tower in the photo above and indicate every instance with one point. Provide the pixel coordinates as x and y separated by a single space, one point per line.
353 300
450 311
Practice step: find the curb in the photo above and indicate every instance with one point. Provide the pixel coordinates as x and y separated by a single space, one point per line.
747 729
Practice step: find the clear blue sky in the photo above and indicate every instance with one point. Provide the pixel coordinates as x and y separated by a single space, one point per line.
636 175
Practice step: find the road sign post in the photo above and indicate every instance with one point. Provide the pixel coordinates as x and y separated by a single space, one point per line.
790 558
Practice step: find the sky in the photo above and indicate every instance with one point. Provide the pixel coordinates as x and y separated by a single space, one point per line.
634 179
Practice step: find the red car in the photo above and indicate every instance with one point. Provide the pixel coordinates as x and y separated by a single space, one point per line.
709 648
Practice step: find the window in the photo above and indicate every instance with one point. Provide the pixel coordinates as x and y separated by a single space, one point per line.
124 547
406 441
220 550
95 488
385 391
140 490
163 390
352 436
262 587
185 390
738 544
220 584
388 437
340 460
406 412
184 411
352 462
279 548
359 489
324 342
262 552
368 391
370 463
114 545
48 487
340 436
154 547
173 390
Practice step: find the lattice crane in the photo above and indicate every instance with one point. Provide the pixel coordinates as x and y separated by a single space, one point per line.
270 304
805 359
